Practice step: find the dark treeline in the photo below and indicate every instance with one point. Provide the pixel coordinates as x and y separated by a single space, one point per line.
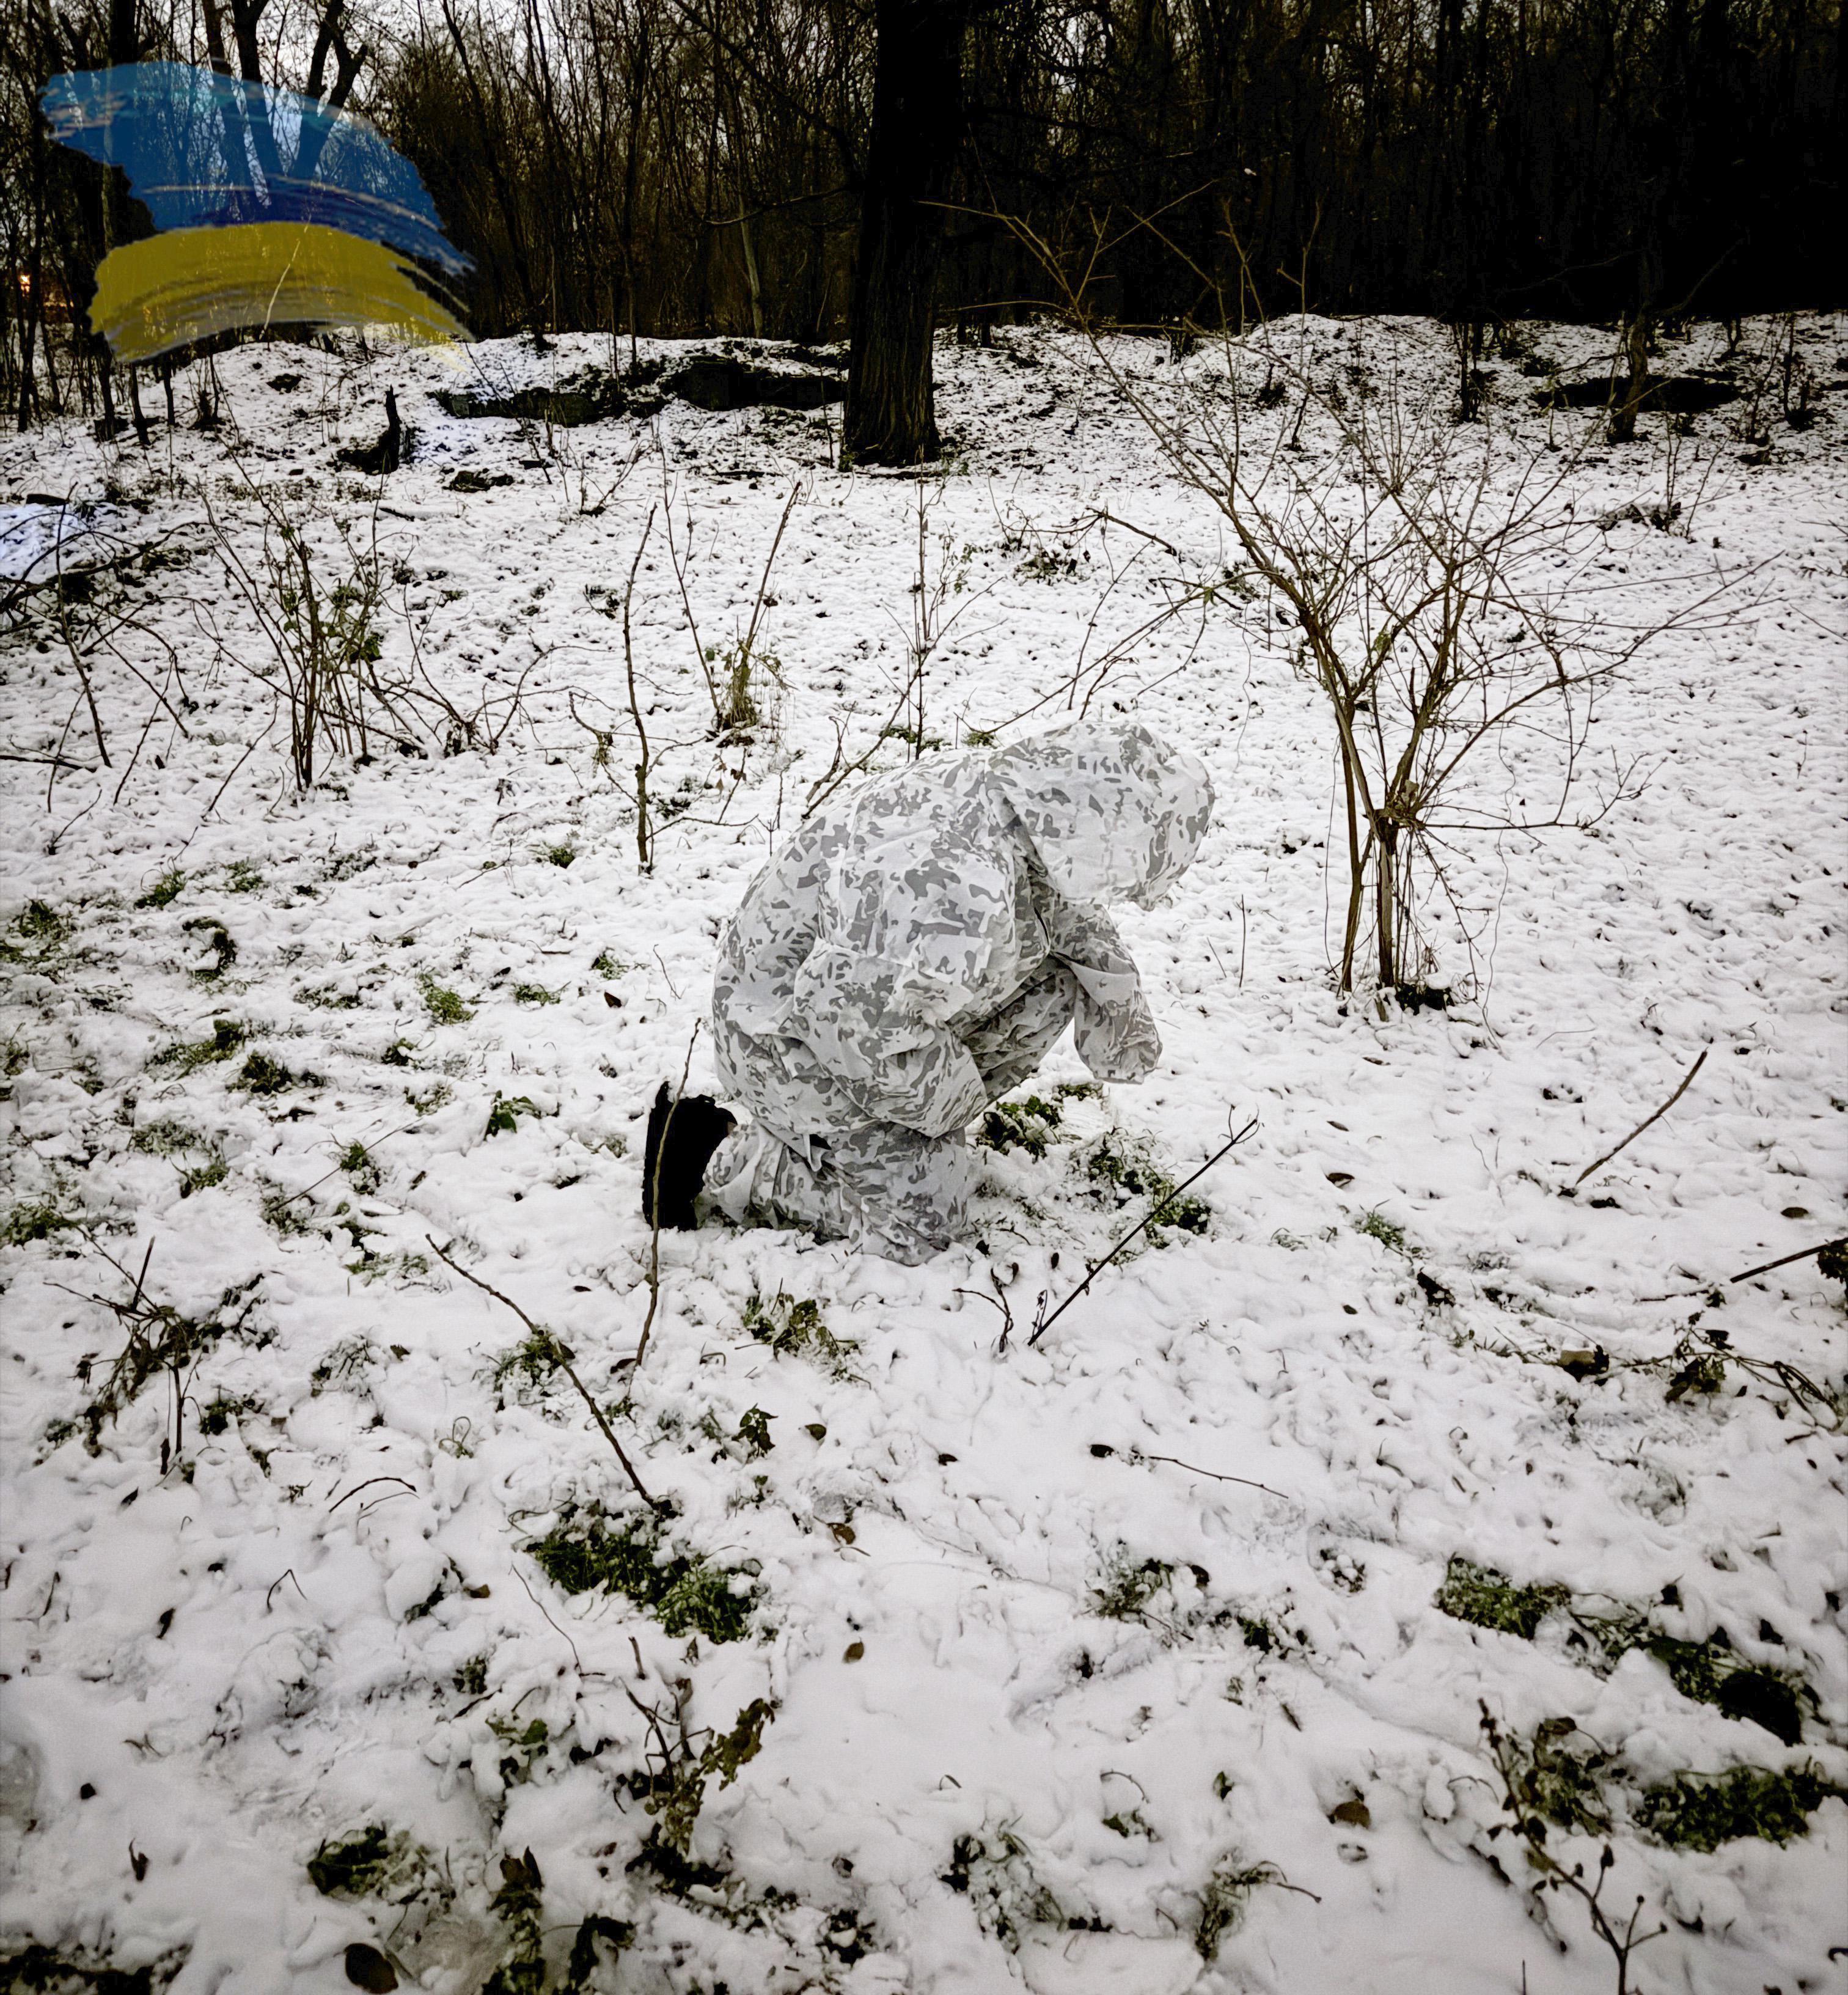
673 166
1479 158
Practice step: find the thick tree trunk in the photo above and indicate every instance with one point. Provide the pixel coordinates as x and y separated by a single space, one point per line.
916 127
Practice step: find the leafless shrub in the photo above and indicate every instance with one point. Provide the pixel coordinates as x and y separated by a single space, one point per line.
733 687
314 589
941 575
1447 603
614 604
70 575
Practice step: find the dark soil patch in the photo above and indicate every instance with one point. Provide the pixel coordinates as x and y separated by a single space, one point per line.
1673 394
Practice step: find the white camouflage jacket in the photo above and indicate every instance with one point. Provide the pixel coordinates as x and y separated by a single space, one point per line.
898 922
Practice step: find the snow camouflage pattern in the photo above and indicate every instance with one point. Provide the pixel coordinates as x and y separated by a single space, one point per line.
912 954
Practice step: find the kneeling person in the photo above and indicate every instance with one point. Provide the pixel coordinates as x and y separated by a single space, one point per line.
909 957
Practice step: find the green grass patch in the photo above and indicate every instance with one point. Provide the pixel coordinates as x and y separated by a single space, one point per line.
1710 1672
33 1219
287 1212
262 1073
1377 1226
794 1329
202 1177
1701 1811
166 1137
1126 1586
344 1368
427 1101
534 993
528 1367
374 1862
1020 1126
241 876
228 1038
40 922
361 1167
585 1549
608 965
1486 1598
1133 1176
166 889
444 1006
327 997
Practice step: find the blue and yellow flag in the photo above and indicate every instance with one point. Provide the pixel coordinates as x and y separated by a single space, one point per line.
268 208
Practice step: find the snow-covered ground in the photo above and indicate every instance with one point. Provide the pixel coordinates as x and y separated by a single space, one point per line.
1262 1448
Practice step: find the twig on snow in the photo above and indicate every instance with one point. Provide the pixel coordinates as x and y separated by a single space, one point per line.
338 1168
1045 1323
366 1485
561 1357
1803 1254
59 761
1686 1079
577 1659
288 1573
1214 1475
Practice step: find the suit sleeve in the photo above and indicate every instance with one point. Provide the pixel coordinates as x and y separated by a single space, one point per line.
1111 1026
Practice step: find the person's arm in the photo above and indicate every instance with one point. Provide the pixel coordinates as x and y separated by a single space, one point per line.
1111 1024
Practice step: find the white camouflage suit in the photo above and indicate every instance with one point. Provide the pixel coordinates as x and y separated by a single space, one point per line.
912 954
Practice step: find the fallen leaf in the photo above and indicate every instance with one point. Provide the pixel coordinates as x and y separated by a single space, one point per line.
853 1652
1354 1813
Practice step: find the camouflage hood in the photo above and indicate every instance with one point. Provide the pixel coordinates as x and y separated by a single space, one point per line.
1112 813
